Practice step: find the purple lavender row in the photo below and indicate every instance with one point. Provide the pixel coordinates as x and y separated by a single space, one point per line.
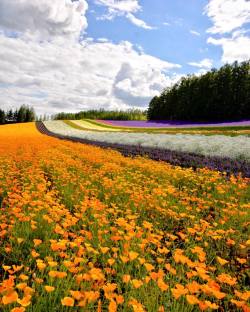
169 124
175 158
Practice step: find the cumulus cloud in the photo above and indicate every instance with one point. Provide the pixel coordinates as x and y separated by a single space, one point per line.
205 63
227 15
236 48
139 85
44 18
68 76
41 65
125 8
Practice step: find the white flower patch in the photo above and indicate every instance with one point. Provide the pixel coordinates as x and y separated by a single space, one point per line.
237 147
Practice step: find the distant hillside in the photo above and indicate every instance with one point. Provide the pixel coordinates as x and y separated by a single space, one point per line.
218 95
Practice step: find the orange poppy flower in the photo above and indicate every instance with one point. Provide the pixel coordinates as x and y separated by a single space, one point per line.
162 285
112 306
68 302
10 298
49 288
18 309
126 278
25 301
221 261
137 283
192 299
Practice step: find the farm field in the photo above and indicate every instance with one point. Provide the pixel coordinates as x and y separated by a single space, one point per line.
237 147
86 229
88 125
170 124
142 126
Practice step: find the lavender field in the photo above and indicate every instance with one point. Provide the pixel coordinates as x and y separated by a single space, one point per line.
171 124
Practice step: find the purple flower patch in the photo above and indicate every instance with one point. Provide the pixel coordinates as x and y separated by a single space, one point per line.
170 124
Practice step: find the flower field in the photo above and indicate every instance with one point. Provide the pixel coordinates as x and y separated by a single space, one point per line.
237 147
170 124
100 125
87 125
86 229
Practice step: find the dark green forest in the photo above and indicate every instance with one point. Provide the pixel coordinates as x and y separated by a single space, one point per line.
218 95
132 114
23 114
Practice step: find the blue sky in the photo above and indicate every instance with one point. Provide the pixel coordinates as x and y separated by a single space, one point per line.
66 55
179 33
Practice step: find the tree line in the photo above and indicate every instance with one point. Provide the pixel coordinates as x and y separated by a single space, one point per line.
131 114
218 95
23 114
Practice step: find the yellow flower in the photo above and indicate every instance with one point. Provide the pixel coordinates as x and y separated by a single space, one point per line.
68 302
137 283
192 299
162 285
37 242
126 278
25 301
23 277
10 298
49 288
149 267
221 261
133 255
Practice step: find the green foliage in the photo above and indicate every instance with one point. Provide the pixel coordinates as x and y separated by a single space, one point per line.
218 95
23 114
131 114
2 116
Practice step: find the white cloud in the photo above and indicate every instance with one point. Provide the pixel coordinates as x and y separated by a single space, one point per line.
166 24
138 22
44 18
44 68
227 15
68 76
195 33
204 64
102 40
237 48
125 8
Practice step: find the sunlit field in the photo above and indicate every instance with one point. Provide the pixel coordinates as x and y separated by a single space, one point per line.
231 129
86 229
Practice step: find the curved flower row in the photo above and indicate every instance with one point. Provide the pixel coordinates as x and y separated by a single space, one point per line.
169 124
86 229
216 145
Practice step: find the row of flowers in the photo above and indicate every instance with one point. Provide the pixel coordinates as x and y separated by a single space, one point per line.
197 151
225 165
171 124
86 229
96 125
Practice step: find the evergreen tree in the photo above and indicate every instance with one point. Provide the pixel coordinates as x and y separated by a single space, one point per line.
2 116
218 95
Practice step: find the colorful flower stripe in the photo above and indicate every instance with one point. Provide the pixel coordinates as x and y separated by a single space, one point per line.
225 165
86 229
90 126
171 124
237 148
94 125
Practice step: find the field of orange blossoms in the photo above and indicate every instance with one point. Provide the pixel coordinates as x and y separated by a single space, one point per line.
86 229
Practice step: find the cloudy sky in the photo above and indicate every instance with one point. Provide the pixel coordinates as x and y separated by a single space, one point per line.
71 55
